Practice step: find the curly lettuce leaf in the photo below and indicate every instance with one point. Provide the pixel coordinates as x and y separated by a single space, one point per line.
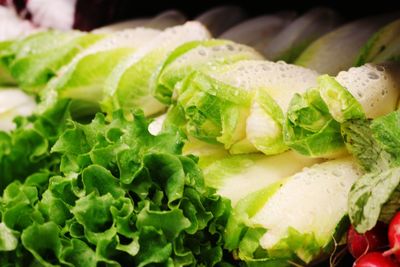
122 197
6 56
28 146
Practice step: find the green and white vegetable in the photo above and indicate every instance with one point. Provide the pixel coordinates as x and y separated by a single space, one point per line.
132 82
383 46
294 220
83 78
34 60
293 39
118 197
338 50
313 119
198 56
238 176
376 194
240 105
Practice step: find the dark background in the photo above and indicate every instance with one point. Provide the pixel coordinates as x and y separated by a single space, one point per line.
349 9
95 13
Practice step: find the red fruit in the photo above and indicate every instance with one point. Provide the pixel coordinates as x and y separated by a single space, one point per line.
374 259
394 237
373 240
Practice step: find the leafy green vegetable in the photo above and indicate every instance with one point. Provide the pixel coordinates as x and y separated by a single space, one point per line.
5 58
197 56
80 80
240 105
28 147
237 176
122 197
133 81
313 119
312 123
280 224
381 47
288 44
322 55
37 58
375 195
310 129
360 142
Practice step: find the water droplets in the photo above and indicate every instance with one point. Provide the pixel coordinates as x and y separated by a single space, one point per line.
202 52
216 48
373 75
266 68
230 47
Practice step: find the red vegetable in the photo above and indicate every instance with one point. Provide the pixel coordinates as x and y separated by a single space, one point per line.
373 240
374 259
394 237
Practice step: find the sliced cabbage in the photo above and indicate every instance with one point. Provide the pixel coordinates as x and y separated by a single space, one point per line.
13 103
240 105
219 19
83 78
238 176
294 220
383 46
338 49
292 40
259 31
38 57
132 83
198 56
313 119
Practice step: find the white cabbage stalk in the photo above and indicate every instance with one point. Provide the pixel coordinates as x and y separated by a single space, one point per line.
311 201
296 219
238 176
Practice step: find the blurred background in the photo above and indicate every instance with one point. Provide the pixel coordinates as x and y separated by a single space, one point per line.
89 14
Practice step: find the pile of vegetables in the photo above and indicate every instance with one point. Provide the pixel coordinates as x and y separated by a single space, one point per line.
168 147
